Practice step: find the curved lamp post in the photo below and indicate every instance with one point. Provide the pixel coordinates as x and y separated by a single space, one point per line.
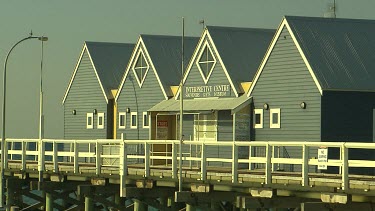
3 163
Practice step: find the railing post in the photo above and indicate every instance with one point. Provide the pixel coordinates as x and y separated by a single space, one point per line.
123 166
268 172
55 160
23 156
305 165
273 166
174 161
250 157
203 163
75 158
344 167
41 159
98 159
147 160
234 163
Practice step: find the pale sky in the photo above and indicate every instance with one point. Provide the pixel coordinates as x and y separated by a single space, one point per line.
68 23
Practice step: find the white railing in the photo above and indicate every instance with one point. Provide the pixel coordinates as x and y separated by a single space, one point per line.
76 152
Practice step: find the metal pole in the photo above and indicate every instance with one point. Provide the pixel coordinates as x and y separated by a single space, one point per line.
41 125
3 165
181 105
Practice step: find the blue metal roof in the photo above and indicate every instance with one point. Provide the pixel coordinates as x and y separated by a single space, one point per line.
165 53
110 61
341 52
241 49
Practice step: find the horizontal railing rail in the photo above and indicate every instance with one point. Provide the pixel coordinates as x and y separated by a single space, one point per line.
120 154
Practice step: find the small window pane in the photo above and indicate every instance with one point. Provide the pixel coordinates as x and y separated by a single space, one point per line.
100 120
89 120
145 120
133 120
275 118
121 120
257 118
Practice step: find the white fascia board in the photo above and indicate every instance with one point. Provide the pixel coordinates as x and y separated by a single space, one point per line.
191 63
305 59
222 63
147 55
128 68
97 77
74 73
269 51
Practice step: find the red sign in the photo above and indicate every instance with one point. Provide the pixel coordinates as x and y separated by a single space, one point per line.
162 123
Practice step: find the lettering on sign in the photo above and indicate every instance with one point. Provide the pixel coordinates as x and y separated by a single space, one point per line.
322 158
207 91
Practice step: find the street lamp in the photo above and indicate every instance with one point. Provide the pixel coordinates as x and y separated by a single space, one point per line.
3 163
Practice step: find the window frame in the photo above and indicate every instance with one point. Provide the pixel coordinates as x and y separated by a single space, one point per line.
145 114
100 115
136 120
89 115
198 119
119 120
199 62
258 111
135 68
278 112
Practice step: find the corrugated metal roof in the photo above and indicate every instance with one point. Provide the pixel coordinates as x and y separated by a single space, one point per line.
241 50
341 52
204 104
165 53
110 60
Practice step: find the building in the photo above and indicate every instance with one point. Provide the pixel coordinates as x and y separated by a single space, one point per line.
316 83
151 76
89 98
216 107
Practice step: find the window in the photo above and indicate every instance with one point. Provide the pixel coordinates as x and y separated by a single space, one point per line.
145 120
121 120
140 67
258 118
275 118
205 127
100 120
206 61
133 120
90 121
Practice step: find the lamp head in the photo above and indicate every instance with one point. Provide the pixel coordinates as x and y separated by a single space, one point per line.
43 39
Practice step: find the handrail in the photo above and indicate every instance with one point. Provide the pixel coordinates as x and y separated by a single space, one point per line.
123 155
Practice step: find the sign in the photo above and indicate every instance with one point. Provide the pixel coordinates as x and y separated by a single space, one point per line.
322 158
162 130
207 91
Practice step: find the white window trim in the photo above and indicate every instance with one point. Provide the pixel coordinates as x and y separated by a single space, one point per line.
90 126
143 119
101 115
119 120
258 111
136 120
205 78
140 80
273 111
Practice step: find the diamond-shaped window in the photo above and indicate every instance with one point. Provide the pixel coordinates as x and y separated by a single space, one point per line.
206 62
140 67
